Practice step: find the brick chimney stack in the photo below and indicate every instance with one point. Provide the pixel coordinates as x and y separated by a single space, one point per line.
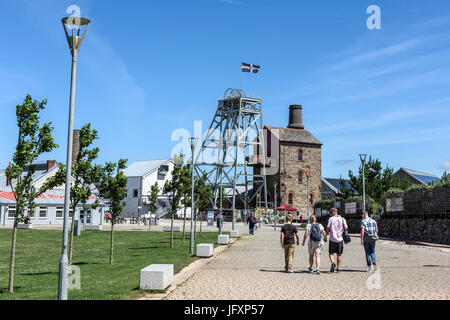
76 145
8 182
296 117
50 164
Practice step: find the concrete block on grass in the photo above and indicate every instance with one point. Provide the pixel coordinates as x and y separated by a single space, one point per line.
24 226
175 229
95 228
234 234
223 239
156 277
205 250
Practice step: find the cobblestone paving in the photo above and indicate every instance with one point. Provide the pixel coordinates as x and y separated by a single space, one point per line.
252 269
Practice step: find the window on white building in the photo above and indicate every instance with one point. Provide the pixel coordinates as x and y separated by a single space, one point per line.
42 212
11 212
135 193
59 212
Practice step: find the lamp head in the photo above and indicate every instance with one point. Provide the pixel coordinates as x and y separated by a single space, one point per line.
75 29
193 142
308 170
363 157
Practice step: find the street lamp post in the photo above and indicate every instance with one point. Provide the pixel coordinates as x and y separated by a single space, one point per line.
221 210
363 162
275 203
193 143
75 29
308 173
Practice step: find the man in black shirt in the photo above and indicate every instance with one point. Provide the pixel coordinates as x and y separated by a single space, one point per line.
251 223
288 234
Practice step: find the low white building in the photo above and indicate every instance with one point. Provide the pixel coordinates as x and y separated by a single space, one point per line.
50 205
141 176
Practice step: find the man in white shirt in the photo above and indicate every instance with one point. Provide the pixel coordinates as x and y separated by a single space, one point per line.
336 227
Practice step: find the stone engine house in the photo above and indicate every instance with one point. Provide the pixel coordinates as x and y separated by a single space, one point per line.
290 153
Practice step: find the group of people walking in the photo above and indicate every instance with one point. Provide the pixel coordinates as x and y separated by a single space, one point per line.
337 231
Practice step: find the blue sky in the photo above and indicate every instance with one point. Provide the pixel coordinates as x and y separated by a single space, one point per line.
148 68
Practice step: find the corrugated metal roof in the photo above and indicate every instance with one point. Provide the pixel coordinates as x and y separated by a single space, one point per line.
423 177
50 197
55 196
38 174
141 168
335 183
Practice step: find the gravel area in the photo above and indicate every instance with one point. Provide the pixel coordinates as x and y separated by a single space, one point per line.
252 268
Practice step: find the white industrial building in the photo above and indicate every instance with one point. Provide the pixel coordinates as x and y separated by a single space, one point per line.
141 176
50 205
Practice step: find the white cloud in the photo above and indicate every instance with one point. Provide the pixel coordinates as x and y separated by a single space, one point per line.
381 53
446 165
113 74
239 3
343 162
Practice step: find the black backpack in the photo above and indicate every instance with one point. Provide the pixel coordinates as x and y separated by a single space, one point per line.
316 234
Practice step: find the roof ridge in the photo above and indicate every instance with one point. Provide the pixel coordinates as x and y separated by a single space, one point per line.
420 172
165 159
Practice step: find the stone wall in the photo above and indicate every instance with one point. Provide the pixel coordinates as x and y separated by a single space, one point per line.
426 228
425 201
290 166
425 216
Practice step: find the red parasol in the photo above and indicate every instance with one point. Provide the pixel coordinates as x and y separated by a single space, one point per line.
286 208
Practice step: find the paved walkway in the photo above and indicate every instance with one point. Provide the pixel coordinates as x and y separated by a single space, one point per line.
252 269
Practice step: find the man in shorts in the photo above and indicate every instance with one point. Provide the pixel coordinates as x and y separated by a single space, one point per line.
317 236
336 227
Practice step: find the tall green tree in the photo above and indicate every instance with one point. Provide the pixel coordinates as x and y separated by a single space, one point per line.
174 192
378 179
33 140
114 181
345 192
445 177
153 199
85 176
202 195
186 189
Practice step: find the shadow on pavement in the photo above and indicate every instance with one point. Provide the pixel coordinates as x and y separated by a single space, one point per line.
347 270
307 272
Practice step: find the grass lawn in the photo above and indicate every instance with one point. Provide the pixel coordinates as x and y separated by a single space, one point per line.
38 253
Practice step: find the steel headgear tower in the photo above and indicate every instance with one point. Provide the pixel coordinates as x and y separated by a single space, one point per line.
226 155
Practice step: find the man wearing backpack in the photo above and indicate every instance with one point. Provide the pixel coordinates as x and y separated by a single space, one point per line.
317 235
369 236
251 223
336 228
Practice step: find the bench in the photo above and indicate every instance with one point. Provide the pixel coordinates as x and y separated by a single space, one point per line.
156 277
